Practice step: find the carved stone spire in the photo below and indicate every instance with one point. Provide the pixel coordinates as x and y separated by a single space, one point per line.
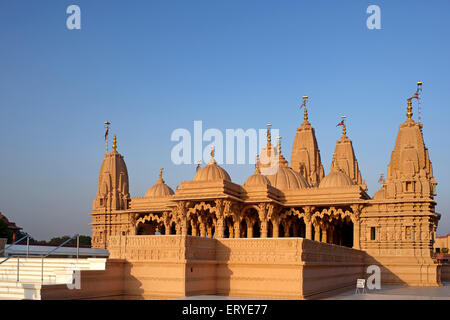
305 158
346 161
410 172
113 184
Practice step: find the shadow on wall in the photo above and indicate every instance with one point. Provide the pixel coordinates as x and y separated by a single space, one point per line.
407 271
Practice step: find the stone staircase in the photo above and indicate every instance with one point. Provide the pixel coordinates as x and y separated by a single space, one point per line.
27 283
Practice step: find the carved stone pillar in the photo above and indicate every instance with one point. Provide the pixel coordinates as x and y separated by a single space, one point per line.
231 231
249 228
324 234
308 223
356 226
220 228
194 230
182 218
316 232
237 229
132 221
356 233
264 228
209 229
276 228
262 212
166 221
202 229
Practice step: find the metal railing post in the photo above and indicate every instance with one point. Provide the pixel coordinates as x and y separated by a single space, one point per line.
18 259
42 271
78 246
28 246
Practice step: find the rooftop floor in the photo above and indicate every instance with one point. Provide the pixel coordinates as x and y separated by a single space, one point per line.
390 292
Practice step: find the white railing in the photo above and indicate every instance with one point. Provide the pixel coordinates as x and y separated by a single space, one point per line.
41 256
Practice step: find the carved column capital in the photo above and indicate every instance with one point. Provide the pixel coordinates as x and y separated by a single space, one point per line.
357 209
308 213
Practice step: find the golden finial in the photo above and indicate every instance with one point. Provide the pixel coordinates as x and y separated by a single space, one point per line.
160 173
305 115
198 165
409 109
212 152
344 129
114 143
279 145
257 164
269 135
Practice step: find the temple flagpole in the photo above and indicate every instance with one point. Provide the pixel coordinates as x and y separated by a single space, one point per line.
419 91
107 124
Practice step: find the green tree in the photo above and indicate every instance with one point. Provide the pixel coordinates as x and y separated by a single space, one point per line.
84 240
5 232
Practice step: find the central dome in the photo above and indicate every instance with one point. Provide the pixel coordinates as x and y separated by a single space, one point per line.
286 179
336 178
211 172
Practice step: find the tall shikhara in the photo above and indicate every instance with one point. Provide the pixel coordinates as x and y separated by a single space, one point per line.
346 159
305 157
410 172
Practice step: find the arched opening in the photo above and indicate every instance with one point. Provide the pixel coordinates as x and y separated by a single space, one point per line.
229 227
298 227
281 231
243 227
252 217
210 227
256 229
147 228
173 229
347 233
161 229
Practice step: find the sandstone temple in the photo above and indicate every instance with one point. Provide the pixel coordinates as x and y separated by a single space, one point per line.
292 230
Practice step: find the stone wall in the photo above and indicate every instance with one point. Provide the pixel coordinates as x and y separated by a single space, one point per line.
173 266
166 266
292 268
158 267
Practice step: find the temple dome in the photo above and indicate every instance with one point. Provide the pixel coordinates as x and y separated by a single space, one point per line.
212 172
159 190
280 175
257 179
285 179
336 178
379 195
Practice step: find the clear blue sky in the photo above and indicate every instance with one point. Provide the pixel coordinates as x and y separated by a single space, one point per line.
150 67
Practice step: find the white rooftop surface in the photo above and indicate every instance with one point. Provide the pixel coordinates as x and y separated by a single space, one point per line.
63 251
